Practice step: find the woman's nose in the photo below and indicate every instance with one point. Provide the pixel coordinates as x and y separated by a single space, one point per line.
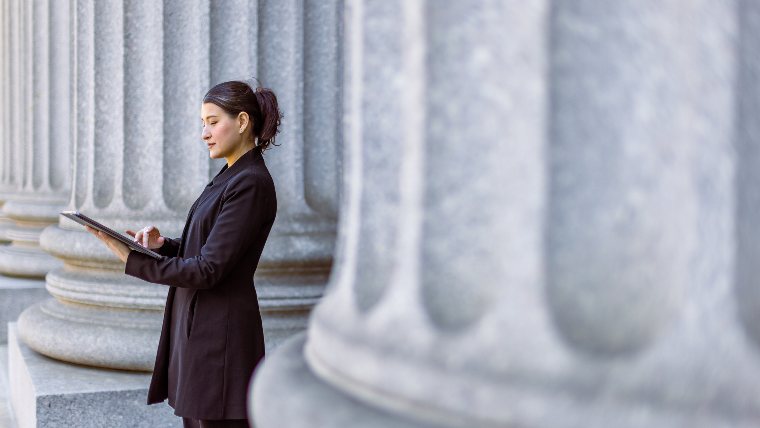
205 134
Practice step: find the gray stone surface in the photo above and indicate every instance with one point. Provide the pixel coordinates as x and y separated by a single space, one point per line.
29 213
545 210
308 397
50 393
747 172
5 225
6 411
6 82
38 100
87 334
16 294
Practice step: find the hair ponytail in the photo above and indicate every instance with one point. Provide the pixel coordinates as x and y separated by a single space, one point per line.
260 104
271 116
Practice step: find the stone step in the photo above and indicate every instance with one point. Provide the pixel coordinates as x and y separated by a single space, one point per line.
51 393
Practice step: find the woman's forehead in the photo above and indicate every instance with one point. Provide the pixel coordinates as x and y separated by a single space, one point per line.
210 109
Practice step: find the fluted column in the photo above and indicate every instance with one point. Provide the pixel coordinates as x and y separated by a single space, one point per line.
137 162
38 132
299 57
141 72
6 147
294 48
547 222
34 146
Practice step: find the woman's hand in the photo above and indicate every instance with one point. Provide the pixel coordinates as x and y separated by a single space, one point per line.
149 237
121 250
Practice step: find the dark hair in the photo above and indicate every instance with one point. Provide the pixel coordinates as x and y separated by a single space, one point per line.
261 105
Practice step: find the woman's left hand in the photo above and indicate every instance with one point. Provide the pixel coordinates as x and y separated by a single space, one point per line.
121 250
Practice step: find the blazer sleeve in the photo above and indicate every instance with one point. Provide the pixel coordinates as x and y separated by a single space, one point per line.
241 216
170 247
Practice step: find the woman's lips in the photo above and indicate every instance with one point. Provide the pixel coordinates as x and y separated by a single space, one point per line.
210 145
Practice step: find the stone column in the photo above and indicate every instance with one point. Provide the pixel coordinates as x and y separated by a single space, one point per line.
42 168
137 162
6 148
141 73
543 224
37 170
299 57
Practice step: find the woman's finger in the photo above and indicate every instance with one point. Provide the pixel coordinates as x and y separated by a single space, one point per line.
130 233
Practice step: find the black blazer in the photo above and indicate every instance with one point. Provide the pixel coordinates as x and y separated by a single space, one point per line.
212 337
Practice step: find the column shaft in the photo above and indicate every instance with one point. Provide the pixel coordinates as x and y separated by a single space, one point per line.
41 150
547 222
140 76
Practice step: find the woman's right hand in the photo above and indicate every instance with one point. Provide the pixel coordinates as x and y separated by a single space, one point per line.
149 237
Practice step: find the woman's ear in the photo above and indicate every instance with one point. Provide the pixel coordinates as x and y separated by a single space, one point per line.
243 121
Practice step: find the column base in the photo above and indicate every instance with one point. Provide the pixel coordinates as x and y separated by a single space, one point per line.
29 215
28 262
286 394
46 392
6 224
286 298
280 325
16 294
115 338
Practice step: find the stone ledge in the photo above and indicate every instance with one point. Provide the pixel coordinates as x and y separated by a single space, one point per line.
50 393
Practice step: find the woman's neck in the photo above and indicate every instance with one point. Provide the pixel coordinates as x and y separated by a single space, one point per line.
231 159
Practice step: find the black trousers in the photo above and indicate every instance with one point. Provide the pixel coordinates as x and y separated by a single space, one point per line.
224 423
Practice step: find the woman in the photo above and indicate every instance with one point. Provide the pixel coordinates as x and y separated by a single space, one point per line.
212 337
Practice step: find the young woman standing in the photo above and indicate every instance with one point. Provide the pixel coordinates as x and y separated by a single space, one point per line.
212 337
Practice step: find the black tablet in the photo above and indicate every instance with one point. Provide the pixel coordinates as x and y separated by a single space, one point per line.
86 221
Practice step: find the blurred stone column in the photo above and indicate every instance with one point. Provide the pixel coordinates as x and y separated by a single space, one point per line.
42 170
540 225
6 110
36 173
39 168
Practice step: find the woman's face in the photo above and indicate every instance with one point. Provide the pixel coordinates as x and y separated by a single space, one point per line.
220 131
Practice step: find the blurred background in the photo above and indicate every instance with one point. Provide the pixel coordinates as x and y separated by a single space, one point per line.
492 213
